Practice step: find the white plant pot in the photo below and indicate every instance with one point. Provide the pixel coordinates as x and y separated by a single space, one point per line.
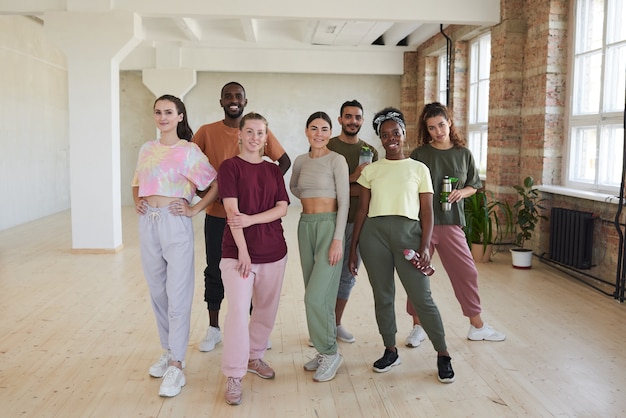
522 258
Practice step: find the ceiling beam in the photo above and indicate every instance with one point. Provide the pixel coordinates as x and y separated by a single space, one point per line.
320 60
375 32
190 28
249 28
422 34
462 12
399 31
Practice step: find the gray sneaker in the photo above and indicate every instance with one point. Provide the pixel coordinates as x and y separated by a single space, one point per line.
327 367
313 364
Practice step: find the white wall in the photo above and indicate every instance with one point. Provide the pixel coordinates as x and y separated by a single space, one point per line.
286 100
34 161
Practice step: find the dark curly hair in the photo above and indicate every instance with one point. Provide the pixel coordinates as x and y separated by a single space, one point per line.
432 110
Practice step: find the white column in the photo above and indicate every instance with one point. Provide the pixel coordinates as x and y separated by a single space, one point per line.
168 76
175 81
94 43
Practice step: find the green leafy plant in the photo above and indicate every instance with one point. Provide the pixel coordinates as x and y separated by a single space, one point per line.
527 211
486 221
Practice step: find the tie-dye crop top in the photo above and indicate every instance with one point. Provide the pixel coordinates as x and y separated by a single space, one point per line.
172 170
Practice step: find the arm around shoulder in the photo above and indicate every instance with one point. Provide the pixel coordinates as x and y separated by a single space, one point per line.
284 162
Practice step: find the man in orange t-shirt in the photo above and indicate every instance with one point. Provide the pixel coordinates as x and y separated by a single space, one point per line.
219 141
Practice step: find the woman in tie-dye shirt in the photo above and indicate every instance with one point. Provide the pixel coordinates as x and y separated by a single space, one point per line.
169 171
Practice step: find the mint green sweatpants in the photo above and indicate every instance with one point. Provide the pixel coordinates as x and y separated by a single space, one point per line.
321 280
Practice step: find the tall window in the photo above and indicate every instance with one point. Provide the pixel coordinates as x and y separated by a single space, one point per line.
596 135
442 78
478 108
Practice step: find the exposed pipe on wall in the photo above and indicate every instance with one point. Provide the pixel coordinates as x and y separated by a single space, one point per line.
575 273
620 279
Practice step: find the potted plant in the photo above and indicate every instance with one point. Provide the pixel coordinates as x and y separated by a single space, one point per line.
486 221
527 212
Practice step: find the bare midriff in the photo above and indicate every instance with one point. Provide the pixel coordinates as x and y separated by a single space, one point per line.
319 205
157 201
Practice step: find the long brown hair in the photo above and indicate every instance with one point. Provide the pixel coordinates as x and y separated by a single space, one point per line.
432 110
183 130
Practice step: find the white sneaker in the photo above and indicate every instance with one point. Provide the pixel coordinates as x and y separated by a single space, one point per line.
159 368
416 337
344 335
310 343
269 345
485 333
327 367
173 382
213 337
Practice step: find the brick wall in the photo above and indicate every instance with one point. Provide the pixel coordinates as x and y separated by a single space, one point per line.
527 108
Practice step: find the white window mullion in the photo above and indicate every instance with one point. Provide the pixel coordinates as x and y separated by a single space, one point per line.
478 100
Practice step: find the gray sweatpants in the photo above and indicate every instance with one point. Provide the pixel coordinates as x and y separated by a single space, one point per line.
167 256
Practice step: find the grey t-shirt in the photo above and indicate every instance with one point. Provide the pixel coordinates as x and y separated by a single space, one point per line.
454 162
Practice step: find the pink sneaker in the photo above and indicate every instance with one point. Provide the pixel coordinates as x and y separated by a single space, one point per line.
233 391
260 368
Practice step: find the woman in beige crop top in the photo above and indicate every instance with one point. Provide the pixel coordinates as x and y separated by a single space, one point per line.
320 180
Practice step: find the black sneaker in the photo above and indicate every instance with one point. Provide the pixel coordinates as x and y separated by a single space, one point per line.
446 374
387 361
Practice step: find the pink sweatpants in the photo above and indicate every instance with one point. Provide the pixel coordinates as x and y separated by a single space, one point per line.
245 334
449 241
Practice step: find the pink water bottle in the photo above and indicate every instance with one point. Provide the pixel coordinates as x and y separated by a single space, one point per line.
412 256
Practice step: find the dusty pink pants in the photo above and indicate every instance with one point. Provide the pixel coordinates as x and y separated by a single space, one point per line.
245 334
449 241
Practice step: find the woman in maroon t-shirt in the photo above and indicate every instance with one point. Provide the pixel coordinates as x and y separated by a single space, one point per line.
254 254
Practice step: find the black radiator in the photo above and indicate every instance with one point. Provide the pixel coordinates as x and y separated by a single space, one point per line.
571 237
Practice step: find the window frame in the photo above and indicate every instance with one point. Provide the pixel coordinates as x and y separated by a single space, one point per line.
595 118
478 81
442 78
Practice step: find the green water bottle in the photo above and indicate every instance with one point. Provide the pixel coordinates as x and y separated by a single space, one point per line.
446 188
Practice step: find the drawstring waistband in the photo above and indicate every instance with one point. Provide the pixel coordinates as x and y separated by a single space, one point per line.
155 216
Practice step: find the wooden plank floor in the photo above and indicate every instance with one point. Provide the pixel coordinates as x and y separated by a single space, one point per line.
77 336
